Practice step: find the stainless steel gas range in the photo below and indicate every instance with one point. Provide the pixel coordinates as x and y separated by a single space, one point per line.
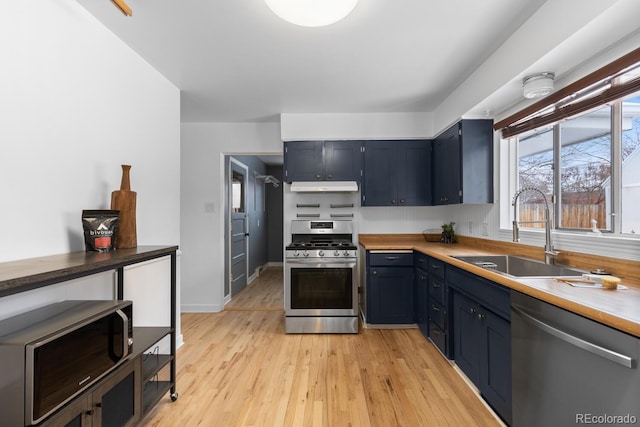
321 278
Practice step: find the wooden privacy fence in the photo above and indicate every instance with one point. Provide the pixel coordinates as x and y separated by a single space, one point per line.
573 215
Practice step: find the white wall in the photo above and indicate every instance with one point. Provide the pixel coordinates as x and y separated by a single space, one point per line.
75 104
202 182
356 126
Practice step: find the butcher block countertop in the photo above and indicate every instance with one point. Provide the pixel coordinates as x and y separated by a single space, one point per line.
619 308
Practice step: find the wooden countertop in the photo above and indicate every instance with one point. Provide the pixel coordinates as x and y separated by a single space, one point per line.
619 308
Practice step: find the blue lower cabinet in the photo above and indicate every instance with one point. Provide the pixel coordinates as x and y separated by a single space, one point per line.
482 350
390 295
495 372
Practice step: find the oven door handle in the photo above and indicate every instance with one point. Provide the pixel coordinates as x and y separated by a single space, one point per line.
340 263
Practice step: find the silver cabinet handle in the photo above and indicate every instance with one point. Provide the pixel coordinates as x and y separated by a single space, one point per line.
578 342
391 258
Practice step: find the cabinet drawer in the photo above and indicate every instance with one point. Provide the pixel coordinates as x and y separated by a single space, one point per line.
437 289
438 314
436 267
421 261
438 337
492 295
390 259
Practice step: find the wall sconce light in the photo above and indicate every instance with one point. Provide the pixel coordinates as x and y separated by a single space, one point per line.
312 13
538 85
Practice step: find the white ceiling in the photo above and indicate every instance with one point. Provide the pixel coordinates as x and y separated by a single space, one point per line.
235 61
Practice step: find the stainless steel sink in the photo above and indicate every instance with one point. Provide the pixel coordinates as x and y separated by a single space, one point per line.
515 266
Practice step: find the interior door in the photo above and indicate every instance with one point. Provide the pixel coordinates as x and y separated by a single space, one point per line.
238 227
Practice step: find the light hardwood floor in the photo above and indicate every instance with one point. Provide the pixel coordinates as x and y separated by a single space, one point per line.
239 368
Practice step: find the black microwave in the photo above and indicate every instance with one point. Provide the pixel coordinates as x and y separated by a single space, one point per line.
51 354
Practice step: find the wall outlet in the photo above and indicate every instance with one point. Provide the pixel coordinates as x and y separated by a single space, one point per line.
209 207
470 229
485 229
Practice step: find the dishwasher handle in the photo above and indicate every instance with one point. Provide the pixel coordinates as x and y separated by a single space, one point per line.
606 353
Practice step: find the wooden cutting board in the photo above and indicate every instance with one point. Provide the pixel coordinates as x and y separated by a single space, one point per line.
124 200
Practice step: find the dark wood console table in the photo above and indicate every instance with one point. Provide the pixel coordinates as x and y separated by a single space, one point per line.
144 365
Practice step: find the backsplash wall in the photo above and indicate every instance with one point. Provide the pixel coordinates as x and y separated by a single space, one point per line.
482 221
470 219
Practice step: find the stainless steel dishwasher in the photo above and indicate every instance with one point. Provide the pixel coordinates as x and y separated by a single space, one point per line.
570 370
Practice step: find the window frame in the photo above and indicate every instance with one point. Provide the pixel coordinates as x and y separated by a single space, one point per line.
511 158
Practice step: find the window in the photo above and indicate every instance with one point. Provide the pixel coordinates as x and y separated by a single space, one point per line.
535 169
237 188
590 163
585 170
630 154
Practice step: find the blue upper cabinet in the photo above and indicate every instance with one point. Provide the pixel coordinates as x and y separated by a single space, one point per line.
303 161
397 173
463 163
323 161
343 160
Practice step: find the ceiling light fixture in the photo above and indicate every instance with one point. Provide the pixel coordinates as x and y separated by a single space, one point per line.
538 85
123 7
312 13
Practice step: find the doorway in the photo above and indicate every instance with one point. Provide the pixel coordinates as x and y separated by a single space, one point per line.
255 182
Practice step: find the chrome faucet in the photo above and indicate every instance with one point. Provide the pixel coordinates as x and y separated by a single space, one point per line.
549 253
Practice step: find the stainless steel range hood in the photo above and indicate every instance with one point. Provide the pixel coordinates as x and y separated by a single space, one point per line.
324 186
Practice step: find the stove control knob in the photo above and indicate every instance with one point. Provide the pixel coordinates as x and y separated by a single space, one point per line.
305 253
296 253
320 252
346 253
336 253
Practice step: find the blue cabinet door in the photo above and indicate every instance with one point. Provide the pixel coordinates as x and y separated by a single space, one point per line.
414 173
303 161
379 187
475 168
390 295
446 167
468 336
495 372
342 160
